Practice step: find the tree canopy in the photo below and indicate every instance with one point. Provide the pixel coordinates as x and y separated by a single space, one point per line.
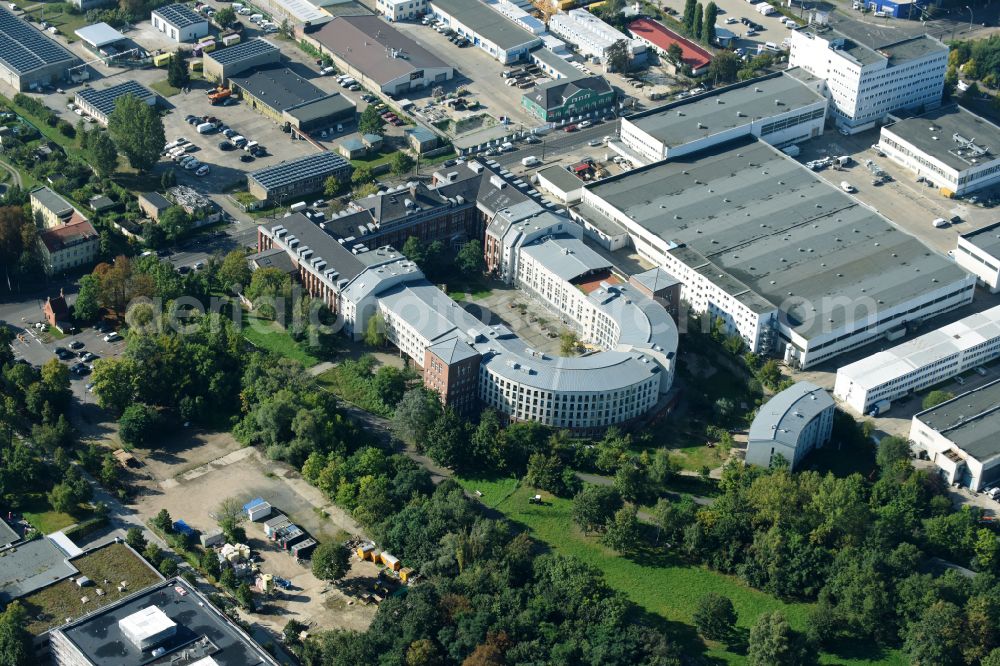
137 131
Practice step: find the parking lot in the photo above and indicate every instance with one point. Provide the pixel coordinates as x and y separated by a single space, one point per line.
476 71
909 205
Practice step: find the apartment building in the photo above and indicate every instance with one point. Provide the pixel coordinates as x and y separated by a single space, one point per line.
791 424
591 36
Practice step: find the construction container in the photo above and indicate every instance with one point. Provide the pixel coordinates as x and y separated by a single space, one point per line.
375 555
364 549
391 562
161 60
303 549
257 509
275 524
195 65
213 538
405 574
289 535
229 40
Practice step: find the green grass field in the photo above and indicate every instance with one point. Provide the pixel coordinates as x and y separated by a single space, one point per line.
272 337
659 584
44 518
57 14
164 88
52 605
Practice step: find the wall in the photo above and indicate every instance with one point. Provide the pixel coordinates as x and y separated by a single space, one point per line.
984 266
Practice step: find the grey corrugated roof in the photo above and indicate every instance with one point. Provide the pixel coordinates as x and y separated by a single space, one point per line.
986 239
31 566
278 87
971 421
561 178
489 24
365 42
157 199
24 48
557 62
763 220
783 417
52 201
180 16
722 109
934 133
330 105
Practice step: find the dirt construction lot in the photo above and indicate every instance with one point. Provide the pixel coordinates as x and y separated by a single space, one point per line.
190 477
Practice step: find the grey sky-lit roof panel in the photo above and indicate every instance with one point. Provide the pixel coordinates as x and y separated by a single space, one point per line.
237 52
180 16
24 48
104 99
293 171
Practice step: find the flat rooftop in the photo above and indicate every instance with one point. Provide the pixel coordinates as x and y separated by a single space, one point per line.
723 109
958 138
242 51
30 566
749 216
561 178
293 171
867 41
278 87
942 343
491 25
324 107
971 421
99 34
202 631
986 239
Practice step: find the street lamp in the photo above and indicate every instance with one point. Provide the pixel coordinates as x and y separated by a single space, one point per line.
970 17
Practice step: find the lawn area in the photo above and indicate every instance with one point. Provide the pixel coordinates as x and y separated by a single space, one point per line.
657 583
352 382
44 518
272 337
376 160
58 14
115 562
164 88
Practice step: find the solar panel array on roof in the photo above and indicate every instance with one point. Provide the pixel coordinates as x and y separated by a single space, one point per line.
24 48
237 52
300 169
104 100
178 15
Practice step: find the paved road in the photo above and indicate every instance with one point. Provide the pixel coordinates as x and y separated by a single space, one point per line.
14 173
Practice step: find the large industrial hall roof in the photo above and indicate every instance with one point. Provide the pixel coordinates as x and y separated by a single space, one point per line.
750 216
24 48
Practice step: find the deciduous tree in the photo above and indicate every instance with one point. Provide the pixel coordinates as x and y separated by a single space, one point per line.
715 617
330 561
137 130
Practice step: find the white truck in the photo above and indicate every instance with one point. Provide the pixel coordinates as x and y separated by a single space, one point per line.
530 161
765 9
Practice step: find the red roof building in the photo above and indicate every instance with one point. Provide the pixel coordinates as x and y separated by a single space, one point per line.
69 246
659 37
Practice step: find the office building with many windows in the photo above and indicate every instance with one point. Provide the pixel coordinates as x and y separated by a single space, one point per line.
875 381
868 77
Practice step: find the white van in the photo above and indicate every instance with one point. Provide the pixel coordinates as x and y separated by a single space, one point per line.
295 207
530 161
771 46
205 128
506 146
939 223
254 18
250 146
847 187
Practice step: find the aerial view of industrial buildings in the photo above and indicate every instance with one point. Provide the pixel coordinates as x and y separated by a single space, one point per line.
499 332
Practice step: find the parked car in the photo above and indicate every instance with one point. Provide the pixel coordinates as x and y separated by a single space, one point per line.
246 158
76 344
570 128
112 337
203 170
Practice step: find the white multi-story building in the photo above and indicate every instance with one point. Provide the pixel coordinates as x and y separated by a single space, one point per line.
789 263
791 424
401 10
932 358
865 84
518 15
979 253
781 108
591 36
954 149
962 436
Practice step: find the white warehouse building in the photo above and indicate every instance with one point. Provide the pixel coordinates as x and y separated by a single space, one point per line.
485 28
591 36
864 83
953 148
979 253
871 384
781 108
962 437
180 23
790 424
